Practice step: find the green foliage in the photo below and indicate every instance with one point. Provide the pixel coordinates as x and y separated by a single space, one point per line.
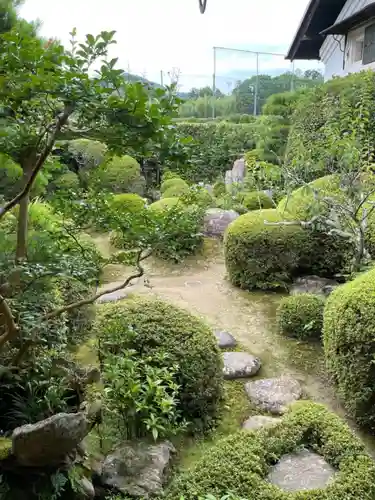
140 392
164 204
216 145
257 200
239 464
264 256
301 316
200 196
176 190
261 175
67 182
219 188
175 182
88 154
271 133
118 175
323 118
127 203
11 179
348 345
153 328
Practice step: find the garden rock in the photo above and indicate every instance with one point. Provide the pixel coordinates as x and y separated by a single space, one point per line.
225 340
301 471
259 421
217 220
87 490
274 394
47 443
228 179
313 284
240 365
239 170
137 469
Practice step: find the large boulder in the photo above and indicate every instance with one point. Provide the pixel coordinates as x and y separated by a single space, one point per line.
274 394
239 170
217 220
240 365
137 469
48 442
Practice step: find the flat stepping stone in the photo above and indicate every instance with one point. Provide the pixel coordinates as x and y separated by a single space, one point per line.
240 365
274 394
225 340
259 421
304 470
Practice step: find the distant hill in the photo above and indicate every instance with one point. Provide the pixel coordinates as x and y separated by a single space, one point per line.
129 77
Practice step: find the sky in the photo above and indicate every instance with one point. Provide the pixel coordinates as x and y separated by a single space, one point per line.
171 36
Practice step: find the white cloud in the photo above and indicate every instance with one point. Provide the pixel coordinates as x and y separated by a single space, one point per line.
155 35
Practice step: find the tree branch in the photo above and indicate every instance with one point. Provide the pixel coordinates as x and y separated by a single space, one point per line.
60 122
11 327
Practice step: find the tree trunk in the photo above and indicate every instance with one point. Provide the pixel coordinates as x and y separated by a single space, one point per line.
22 228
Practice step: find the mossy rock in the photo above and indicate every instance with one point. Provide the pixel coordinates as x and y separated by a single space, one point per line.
240 463
5 448
301 316
257 200
152 326
348 334
261 255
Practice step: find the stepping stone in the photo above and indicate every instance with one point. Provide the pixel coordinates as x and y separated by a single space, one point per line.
259 421
240 365
301 471
113 297
225 340
274 394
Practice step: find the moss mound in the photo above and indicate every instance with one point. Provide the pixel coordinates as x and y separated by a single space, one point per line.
257 200
173 182
240 463
176 191
263 256
153 326
164 204
128 203
301 204
301 316
349 346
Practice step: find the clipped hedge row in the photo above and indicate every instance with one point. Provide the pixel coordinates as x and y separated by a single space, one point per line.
217 145
153 326
348 334
239 464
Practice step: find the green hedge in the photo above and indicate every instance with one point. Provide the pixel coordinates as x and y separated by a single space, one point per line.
216 147
257 200
301 316
349 321
239 464
153 326
322 118
173 182
120 174
164 204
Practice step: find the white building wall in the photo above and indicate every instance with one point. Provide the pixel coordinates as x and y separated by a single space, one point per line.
333 48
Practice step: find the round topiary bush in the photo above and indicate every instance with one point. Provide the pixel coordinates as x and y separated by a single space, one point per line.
152 326
67 182
301 316
348 334
128 203
301 203
239 464
120 174
264 256
257 200
176 191
164 204
173 182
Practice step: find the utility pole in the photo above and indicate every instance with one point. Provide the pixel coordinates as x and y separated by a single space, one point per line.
256 93
162 78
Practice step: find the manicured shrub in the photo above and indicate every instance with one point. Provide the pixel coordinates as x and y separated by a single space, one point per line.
11 179
87 153
264 256
164 204
176 191
257 200
127 203
219 189
199 196
120 174
175 182
302 203
240 463
151 327
301 316
349 348
67 182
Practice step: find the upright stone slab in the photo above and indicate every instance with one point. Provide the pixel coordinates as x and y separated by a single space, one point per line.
239 170
217 220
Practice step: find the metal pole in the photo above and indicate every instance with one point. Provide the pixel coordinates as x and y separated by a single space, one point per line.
214 86
256 87
292 80
162 78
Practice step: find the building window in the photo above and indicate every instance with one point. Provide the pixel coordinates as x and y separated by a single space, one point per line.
357 50
369 45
